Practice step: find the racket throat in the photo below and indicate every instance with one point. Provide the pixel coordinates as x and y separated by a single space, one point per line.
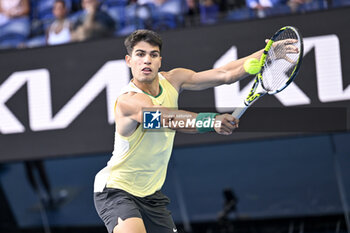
258 92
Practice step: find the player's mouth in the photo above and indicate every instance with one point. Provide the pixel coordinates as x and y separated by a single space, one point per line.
146 70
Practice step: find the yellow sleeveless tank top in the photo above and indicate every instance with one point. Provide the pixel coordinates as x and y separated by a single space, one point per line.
139 162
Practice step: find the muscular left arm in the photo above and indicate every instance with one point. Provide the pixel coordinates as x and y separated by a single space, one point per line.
185 79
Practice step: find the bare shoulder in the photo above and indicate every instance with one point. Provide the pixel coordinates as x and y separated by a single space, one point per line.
128 112
178 76
177 73
132 102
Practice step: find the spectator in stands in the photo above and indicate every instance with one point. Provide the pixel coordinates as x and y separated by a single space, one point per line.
143 12
295 4
192 11
170 13
261 5
12 9
94 23
14 21
59 32
160 14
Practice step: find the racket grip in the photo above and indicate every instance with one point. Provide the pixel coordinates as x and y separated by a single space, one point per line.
238 112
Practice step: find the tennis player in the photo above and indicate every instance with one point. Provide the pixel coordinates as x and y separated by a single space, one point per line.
127 191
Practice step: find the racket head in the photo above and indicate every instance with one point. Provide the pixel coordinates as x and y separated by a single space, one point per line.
279 66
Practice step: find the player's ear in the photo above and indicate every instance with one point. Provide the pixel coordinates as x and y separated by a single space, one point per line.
160 63
127 59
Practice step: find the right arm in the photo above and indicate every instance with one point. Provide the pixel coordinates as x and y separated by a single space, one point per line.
129 114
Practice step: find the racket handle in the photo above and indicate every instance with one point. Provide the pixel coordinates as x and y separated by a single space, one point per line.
238 112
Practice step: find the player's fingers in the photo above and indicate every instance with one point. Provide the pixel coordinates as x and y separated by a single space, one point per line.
231 119
229 125
289 60
292 49
224 130
290 41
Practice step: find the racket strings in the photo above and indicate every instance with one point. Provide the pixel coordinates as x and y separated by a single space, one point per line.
280 63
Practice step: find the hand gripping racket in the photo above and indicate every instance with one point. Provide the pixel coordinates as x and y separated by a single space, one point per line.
280 63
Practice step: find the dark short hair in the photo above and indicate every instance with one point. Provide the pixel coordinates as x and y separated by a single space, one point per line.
148 36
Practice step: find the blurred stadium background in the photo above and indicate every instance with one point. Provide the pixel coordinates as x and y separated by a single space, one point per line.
282 171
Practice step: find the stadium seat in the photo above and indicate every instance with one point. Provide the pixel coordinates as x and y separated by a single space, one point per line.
118 15
36 41
314 5
340 3
208 14
14 32
113 3
168 15
280 9
12 40
124 17
240 14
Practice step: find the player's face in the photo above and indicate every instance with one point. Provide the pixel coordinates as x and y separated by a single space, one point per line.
144 62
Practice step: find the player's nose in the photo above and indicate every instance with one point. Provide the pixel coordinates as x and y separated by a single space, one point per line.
147 59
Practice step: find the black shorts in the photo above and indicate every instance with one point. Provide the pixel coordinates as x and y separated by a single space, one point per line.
112 204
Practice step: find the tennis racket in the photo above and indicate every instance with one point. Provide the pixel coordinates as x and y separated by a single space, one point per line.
280 63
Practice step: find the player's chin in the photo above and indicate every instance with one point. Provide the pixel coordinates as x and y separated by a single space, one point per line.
147 78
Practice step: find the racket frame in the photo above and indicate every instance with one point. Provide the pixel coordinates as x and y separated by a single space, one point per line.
258 90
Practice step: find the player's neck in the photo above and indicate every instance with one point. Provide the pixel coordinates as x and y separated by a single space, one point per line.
150 88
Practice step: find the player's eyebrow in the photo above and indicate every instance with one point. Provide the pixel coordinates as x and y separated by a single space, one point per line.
155 51
143 51
140 50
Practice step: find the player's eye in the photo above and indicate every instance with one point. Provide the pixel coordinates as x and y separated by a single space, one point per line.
141 54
